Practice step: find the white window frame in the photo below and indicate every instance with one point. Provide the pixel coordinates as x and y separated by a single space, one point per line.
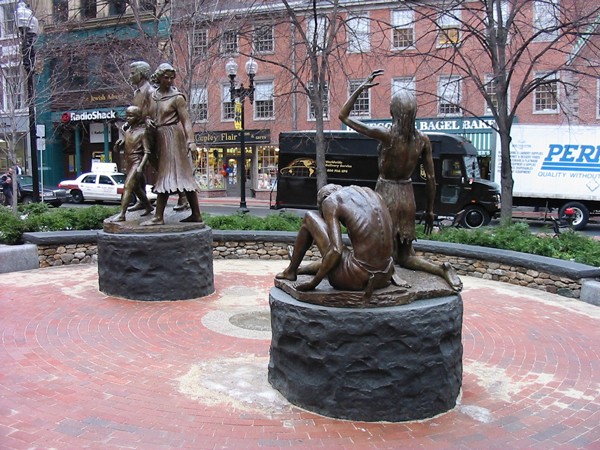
227 42
448 21
199 99
403 84
358 33
544 16
7 7
449 95
322 27
257 29
326 106
200 49
489 90
402 19
364 96
264 91
9 91
536 92
227 104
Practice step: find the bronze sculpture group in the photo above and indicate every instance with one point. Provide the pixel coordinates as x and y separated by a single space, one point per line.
401 148
159 128
380 223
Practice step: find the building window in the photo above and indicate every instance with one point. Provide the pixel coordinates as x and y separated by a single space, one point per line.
311 108
116 7
199 104
7 19
263 100
449 96
262 39
229 42
403 29
227 105
317 37
545 96
403 84
200 43
13 97
358 34
60 11
148 5
546 18
491 93
362 105
89 9
449 28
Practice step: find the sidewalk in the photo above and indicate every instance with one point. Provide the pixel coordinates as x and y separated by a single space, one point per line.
81 369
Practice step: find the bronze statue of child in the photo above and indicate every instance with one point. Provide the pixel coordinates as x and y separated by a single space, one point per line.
137 152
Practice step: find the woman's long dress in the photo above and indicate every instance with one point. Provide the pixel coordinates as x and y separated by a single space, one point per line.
175 171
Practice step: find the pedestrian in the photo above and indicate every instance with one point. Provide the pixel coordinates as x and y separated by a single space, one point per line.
7 186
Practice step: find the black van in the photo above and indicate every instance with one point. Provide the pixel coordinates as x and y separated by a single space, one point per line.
351 158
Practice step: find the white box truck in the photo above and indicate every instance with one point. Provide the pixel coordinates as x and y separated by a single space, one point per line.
556 167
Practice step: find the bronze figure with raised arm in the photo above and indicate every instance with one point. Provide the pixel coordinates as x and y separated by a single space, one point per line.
368 265
401 147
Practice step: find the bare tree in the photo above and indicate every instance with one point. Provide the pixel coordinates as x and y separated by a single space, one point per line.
505 50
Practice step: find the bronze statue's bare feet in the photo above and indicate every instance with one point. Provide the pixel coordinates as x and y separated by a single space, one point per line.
119 218
451 277
137 207
155 221
287 274
304 286
147 212
192 218
181 207
397 281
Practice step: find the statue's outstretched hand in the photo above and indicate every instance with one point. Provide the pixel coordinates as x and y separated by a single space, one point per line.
429 222
369 81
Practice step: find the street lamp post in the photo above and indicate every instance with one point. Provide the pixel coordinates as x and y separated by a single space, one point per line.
28 26
240 94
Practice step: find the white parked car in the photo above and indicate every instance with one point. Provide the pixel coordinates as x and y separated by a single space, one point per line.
106 187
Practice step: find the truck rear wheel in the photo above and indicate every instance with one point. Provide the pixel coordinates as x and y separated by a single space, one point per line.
582 214
475 216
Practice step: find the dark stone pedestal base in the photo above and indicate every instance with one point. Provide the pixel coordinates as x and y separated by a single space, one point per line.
373 364
175 265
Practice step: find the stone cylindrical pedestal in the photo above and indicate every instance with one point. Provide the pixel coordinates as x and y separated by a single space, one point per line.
174 265
374 364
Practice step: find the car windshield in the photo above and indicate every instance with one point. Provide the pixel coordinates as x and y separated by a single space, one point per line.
25 179
472 166
119 178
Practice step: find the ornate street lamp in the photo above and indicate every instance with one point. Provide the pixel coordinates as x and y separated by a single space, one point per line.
28 26
238 95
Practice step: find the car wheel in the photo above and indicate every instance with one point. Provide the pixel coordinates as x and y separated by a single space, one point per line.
56 204
582 214
77 196
475 217
27 199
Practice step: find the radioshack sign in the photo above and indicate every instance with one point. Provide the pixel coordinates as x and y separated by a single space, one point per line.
88 116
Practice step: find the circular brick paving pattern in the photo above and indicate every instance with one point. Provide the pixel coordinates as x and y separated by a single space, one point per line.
80 369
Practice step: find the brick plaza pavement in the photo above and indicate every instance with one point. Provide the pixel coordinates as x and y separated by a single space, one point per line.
80 369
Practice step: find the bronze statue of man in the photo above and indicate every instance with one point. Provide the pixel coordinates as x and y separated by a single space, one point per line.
400 149
369 264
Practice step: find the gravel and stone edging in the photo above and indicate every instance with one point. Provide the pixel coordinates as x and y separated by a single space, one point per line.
566 278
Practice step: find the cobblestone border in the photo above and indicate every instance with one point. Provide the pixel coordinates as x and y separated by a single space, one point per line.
547 274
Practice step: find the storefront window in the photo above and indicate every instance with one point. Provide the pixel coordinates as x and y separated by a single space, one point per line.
267 166
209 170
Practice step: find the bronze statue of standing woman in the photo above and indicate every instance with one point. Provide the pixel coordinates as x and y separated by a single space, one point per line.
174 140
